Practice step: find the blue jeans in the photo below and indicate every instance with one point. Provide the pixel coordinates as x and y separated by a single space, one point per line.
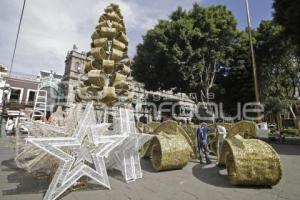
203 149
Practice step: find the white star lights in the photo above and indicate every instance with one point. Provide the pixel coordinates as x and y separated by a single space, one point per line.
83 153
74 153
125 157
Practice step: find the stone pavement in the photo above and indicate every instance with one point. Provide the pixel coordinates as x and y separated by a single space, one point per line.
193 182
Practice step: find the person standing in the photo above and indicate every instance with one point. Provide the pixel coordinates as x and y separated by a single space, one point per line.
9 128
202 133
221 135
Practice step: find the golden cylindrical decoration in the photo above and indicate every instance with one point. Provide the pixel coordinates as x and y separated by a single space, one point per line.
97 78
125 70
117 55
108 32
95 35
109 95
118 26
101 42
97 64
113 16
88 67
119 45
119 77
122 37
108 66
99 53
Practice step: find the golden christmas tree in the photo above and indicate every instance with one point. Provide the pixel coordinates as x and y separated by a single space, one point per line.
106 73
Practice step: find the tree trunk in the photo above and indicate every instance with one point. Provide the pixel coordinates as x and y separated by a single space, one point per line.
279 122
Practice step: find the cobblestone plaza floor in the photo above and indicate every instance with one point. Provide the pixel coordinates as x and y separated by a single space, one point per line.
195 181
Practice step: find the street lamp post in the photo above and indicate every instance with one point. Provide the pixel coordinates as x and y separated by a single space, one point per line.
252 56
5 91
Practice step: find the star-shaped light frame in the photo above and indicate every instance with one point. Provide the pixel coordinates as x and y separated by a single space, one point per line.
71 166
125 156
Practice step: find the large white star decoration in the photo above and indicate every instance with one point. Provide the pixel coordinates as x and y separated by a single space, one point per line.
125 156
75 152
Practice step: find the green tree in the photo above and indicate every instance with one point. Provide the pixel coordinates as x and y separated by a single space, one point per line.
236 82
287 14
201 50
277 70
184 53
278 67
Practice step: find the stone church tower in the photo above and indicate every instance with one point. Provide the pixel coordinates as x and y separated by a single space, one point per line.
74 68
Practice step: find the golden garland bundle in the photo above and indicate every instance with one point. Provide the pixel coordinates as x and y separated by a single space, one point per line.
250 162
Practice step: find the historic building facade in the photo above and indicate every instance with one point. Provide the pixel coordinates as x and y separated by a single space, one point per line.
60 89
144 101
23 89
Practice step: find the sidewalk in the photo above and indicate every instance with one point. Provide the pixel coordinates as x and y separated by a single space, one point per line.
287 140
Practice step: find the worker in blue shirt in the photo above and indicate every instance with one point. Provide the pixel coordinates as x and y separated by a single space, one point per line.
202 133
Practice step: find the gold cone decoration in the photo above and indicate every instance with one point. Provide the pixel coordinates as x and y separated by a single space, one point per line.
108 68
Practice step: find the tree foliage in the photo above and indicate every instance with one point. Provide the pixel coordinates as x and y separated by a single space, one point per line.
277 70
175 53
278 65
287 14
236 81
201 49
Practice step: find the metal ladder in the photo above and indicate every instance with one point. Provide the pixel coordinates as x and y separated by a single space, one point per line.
40 105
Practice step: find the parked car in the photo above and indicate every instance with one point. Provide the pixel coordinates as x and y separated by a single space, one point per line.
263 130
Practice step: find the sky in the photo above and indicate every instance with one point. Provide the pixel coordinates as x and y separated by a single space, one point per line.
50 28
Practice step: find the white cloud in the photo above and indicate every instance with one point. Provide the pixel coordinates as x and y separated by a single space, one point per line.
50 28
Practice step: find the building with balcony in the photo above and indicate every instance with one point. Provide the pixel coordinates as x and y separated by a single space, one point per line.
24 88
22 91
